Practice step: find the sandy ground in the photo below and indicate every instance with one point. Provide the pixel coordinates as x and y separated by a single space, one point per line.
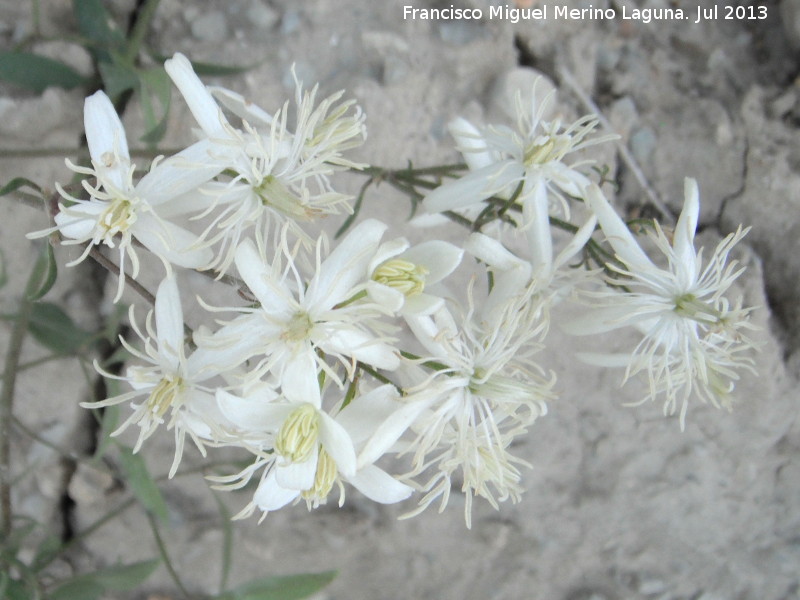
619 503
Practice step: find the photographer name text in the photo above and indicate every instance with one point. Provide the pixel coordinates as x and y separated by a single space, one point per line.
565 13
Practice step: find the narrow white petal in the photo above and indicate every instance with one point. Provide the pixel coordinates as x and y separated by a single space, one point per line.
616 231
379 486
577 242
271 496
258 412
298 476
337 444
299 381
346 266
170 242
470 143
438 257
169 320
200 101
105 136
366 412
387 434
272 295
537 228
473 187
241 107
683 241
181 173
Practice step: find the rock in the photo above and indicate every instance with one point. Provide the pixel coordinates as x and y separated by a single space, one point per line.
262 16
790 18
210 27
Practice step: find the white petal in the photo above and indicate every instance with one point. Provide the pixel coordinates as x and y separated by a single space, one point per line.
470 143
683 242
337 444
170 242
577 242
298 476
299 381
473 187
271 496
422 304
388 297
205 110
78 221
180 174
273 295
254 413
366 412
169 321
379 486
438 257
616 231
361 346
346 266
537 228
391 429
106 138
386 251
241 107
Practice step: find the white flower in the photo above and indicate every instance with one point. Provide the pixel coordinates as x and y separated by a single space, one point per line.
485 391
501 159
296 326
400 276
171 383
120 211
538 272
693 340
311 450
279 176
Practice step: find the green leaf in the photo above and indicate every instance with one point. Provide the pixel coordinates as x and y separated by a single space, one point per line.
3 270
117 78
44 274
53 329
12 589
142 484
155 91
16 183
120 578
211 69
227 542
286 587
95 24
37 72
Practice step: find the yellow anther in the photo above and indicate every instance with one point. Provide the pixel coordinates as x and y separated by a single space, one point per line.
297 436
324 479
164 395
402 275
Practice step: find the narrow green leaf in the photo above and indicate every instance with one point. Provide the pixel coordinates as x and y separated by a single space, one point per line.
3 270
45 273
155 91
122 578
78 588
286 587
142 484
212 69
227 542
117 78
12 589
37 72
53 329
16 183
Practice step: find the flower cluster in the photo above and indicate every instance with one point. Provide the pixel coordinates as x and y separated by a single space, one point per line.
309 375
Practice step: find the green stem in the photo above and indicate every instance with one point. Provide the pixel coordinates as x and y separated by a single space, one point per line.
162 549
140 28
7 398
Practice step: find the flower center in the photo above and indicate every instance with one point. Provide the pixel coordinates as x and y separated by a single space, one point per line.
297 436
324 478
545 149
298 328
118 217
164 395
401 275
277 196
691 307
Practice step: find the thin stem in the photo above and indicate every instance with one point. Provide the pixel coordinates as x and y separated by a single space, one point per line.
73 151
7 399
104 262
162 549
144 19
